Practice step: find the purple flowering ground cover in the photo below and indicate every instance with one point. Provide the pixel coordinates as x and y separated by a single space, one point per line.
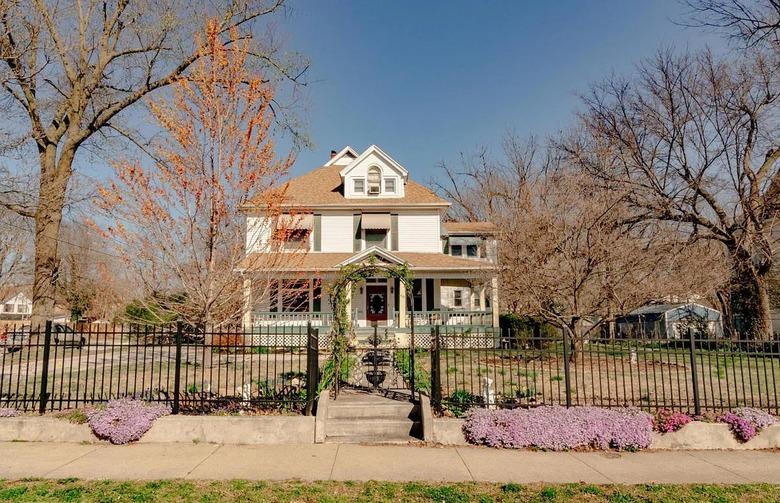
667 421
746 422
7 412
558 428
124 420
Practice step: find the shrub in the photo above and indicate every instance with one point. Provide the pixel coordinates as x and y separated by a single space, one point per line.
460 401
124 420
667 421
557 428
8 412
422 379
745 422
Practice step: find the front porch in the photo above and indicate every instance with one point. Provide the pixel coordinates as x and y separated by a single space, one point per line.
434 300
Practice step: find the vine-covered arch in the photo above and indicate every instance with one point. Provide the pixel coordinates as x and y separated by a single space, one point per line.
339 291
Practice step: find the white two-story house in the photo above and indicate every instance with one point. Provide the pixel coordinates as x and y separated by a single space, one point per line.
354 206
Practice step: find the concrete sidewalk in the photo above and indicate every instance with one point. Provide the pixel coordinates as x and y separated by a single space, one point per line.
392 463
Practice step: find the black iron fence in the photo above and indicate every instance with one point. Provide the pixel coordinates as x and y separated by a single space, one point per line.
488 368
63 366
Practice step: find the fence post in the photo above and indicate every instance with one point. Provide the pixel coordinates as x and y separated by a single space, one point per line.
44 397
694 373
566 370
435 367
177 374
312 366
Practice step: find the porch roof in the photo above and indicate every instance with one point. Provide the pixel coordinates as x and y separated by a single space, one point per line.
328 261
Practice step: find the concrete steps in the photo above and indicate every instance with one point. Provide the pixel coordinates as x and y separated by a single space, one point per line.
370 418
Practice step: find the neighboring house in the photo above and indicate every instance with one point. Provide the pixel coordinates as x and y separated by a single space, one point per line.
670 321
17 306
353 207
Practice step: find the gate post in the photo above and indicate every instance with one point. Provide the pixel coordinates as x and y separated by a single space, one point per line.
312 366
566 369
177 374
44 396
435 367
694 372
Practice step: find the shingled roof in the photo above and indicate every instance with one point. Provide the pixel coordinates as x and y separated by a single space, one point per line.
323 187
454 228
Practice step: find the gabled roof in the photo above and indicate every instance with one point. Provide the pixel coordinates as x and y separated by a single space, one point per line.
663 308
373 149
373 250
323 187
348 151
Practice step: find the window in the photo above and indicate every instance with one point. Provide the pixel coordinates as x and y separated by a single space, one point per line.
359 186
457 250
21 308
471 250
376 237
374 180
293 239
8 308
390 185
295 297
458 298
417 296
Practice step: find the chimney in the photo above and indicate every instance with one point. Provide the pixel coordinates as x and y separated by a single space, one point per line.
333 154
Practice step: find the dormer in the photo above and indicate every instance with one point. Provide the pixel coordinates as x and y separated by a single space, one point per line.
372 174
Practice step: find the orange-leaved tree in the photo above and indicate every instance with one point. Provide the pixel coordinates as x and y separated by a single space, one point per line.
178 220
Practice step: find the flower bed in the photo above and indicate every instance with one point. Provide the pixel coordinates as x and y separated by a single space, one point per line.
746 422
124 420
558 428
667 421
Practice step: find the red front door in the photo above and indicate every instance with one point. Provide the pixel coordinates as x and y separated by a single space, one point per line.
376 302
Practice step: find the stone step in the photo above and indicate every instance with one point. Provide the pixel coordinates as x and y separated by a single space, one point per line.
398 410
371 439
377 428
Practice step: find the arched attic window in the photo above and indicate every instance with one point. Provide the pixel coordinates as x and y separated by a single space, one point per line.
374 180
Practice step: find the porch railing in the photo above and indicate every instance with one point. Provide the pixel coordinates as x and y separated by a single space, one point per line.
449 317
317 319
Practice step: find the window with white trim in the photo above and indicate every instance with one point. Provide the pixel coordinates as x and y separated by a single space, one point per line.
359 186
374 180
457 300
390 185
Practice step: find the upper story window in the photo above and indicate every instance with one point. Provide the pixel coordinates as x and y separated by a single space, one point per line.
360 186
8 308
456 250
472 250
293 239
390 185
374 180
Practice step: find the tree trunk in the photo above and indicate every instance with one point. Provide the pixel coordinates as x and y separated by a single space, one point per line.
574 332
53 186
750 302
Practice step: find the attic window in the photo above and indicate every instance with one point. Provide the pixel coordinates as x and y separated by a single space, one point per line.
374 180
360 185
390 185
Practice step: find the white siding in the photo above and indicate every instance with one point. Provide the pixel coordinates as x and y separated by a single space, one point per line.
337 232
258 234
419 232
361 171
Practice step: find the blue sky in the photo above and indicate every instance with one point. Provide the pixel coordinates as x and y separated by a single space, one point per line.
427 80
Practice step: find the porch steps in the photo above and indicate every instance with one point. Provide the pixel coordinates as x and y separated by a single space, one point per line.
358 417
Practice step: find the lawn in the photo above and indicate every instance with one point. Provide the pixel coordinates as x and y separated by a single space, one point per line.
108 491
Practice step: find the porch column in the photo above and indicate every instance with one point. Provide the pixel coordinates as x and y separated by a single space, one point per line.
436 293
482 304
247 318
494 299
401 307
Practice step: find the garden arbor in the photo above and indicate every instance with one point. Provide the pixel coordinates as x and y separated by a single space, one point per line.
340 292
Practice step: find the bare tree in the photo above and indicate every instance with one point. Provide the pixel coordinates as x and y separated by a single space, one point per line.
15 250
180 220
693 141
570 253
72 69
756 22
